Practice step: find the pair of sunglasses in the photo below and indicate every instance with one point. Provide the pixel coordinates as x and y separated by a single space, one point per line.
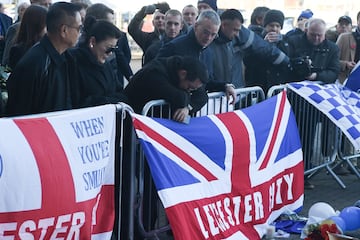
110 50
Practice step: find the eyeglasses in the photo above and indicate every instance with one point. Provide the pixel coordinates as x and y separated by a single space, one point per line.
110 49
79 28
207 33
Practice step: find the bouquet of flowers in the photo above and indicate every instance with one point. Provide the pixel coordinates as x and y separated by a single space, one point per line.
320 231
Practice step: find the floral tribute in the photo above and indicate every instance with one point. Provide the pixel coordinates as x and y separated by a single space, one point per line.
319 231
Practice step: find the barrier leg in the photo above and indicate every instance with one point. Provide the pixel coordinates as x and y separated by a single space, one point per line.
128 186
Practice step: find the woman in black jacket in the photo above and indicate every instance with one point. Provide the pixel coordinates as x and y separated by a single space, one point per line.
95 83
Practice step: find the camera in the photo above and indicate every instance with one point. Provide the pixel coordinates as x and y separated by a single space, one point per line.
301 66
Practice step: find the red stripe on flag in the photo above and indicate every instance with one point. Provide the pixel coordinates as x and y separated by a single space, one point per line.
174 149
52 162
276 131
105 213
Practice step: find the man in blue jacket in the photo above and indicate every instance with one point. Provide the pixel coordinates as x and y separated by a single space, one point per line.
234 42
195 44
5 23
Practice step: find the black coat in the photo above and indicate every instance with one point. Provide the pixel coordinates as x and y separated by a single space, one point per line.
39 83
121 60
93 83
324 57
158 80
16 53
143 39
261 72
187 45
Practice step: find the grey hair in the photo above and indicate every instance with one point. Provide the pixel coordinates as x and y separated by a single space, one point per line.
316 21
211 15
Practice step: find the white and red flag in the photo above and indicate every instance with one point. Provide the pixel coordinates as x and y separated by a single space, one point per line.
57 175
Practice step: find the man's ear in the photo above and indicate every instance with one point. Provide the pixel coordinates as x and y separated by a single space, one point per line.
63 30
92 42
182 74
196 25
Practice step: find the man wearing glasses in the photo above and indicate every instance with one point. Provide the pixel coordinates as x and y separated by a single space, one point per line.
40 83
195 44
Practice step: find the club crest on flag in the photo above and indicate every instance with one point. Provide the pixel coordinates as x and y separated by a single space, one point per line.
226 176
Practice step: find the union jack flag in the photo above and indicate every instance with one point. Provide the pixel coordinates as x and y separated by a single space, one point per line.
226 176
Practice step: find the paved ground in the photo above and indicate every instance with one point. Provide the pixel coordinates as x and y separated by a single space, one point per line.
329 191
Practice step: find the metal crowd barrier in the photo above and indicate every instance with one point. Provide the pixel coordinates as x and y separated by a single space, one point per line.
151 220
142 214
125 176
319 135
348 154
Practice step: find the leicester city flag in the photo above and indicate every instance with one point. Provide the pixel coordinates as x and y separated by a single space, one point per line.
57 175
226 176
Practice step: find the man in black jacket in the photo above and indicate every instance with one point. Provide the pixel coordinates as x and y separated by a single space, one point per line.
324 54
173 27
324 57
260 71
145 39
173 79
40 83
195 44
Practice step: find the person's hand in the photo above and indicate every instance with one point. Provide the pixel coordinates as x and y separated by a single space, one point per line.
180 114
312 76
350 64
273 37
150 9
230 91
163 7
301 66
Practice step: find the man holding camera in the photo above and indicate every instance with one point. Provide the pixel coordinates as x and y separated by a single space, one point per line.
145 39
312 48
322 53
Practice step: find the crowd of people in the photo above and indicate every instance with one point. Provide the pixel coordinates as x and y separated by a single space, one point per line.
71 55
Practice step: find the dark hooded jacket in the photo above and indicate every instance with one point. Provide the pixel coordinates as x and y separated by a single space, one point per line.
159 80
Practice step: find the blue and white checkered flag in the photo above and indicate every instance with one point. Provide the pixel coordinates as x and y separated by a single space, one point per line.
338 103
